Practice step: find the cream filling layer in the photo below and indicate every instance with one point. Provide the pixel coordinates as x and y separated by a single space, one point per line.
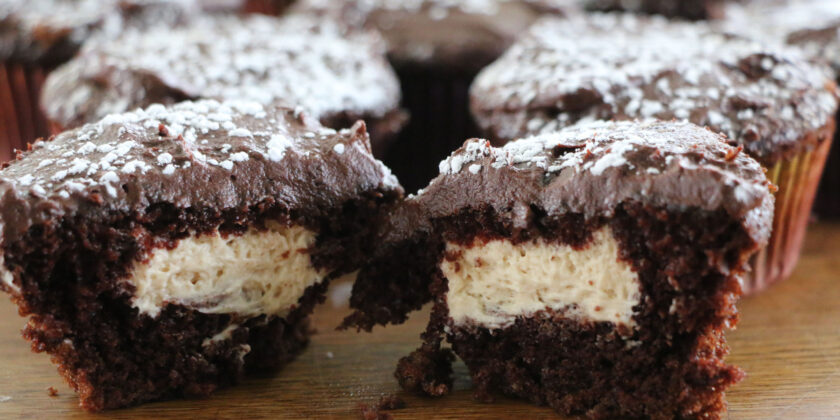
259 272
493 283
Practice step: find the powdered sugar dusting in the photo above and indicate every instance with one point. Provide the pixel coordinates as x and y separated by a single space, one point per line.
295 61
813 25
174 138
630 67
647 149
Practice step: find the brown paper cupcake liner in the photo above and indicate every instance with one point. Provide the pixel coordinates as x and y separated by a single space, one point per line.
797 179
21 119
440 123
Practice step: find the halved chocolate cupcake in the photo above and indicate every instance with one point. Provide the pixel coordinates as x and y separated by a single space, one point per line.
165 252
766 98
334 76
38 35
437 48
594 269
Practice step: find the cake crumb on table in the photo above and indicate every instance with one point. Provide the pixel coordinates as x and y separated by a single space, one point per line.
386 402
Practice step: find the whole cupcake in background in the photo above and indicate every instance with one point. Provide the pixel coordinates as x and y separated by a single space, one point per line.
769 100
38 35
337 77
813 26
437 48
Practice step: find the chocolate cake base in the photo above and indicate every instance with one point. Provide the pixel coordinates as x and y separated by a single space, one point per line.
669 366
113 356
117 359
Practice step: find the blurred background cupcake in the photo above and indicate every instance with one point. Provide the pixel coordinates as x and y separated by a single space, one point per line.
813 26
437 47
337 77
38 35
769 100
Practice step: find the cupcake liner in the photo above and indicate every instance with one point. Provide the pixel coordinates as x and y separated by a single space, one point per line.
797 179
21 119
438 103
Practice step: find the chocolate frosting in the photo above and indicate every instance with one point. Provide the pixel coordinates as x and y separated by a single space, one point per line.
813 25
445 34
764 97
592 168
49 32
290 62
192 155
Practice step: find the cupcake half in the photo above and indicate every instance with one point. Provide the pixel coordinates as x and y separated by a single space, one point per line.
766 99
593 269
165 252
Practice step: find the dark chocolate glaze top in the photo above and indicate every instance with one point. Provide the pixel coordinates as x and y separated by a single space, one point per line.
192 155
813 25
49 32
592 168
443 34
766 97
291 62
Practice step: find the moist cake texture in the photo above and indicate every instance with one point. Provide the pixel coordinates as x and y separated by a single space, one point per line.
165 252
335 76
594 269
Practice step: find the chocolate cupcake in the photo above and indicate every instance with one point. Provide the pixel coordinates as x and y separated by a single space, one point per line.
594 269
767 99
813 26
38 35
334 76
687 9
437 48
165 252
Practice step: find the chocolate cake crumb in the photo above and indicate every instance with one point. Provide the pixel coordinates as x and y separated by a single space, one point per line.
52 392
376 411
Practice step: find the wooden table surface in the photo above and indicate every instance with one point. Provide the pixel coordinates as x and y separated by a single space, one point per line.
788 341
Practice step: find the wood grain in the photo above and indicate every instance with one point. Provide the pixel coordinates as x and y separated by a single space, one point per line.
788 341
